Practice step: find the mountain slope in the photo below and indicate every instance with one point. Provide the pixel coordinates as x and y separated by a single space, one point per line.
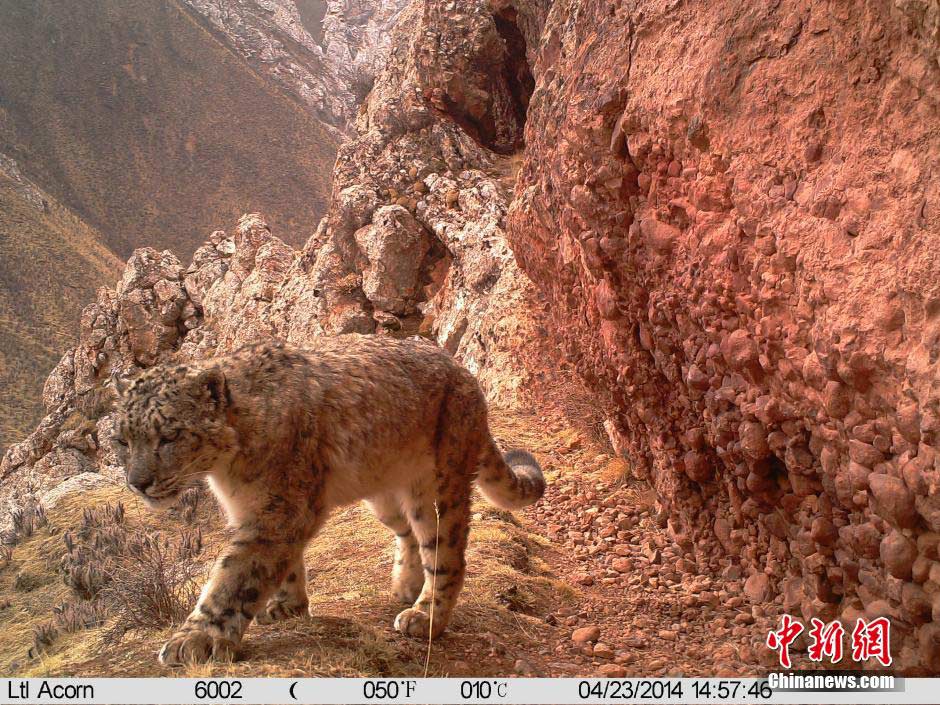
50 264
133 115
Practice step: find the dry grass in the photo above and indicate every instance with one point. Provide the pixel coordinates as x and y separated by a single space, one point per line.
140 578
510 588
111 571
39 555
155 585
24 523
580 408
68 618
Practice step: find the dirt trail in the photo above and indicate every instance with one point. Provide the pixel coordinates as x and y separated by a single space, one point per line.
643 607
588 561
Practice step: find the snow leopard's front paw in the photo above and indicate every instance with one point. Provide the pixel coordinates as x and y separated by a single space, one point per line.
278 609
196 646
413 622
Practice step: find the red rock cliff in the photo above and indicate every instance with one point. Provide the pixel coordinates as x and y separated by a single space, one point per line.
734 212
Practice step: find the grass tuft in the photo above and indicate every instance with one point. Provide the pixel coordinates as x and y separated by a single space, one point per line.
25 521
156 584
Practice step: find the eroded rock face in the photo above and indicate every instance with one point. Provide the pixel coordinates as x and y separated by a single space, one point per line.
476 71
734 212
415 165
142 322
394 245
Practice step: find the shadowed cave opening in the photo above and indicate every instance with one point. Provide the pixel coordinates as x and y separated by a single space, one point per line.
493 112
516 73
312 13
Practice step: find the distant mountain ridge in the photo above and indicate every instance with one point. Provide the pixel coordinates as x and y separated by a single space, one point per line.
326 53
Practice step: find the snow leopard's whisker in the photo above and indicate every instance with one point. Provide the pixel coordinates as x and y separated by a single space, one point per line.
183 474
179 479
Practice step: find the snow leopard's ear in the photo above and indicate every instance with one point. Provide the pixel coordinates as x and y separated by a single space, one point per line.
212 381
122 382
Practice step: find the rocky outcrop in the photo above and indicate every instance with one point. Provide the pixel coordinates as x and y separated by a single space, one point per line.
27 190
734 213
139 323
325 52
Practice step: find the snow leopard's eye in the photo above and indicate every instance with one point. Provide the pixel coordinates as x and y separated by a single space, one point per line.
169 436
119 440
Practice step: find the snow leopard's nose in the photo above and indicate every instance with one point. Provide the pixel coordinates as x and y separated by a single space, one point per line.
141 485
140 481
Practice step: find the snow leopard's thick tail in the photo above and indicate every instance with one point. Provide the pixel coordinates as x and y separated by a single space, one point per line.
510 480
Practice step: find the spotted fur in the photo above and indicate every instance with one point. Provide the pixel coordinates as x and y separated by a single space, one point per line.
286 435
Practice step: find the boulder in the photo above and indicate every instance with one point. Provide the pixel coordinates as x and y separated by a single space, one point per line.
394 245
